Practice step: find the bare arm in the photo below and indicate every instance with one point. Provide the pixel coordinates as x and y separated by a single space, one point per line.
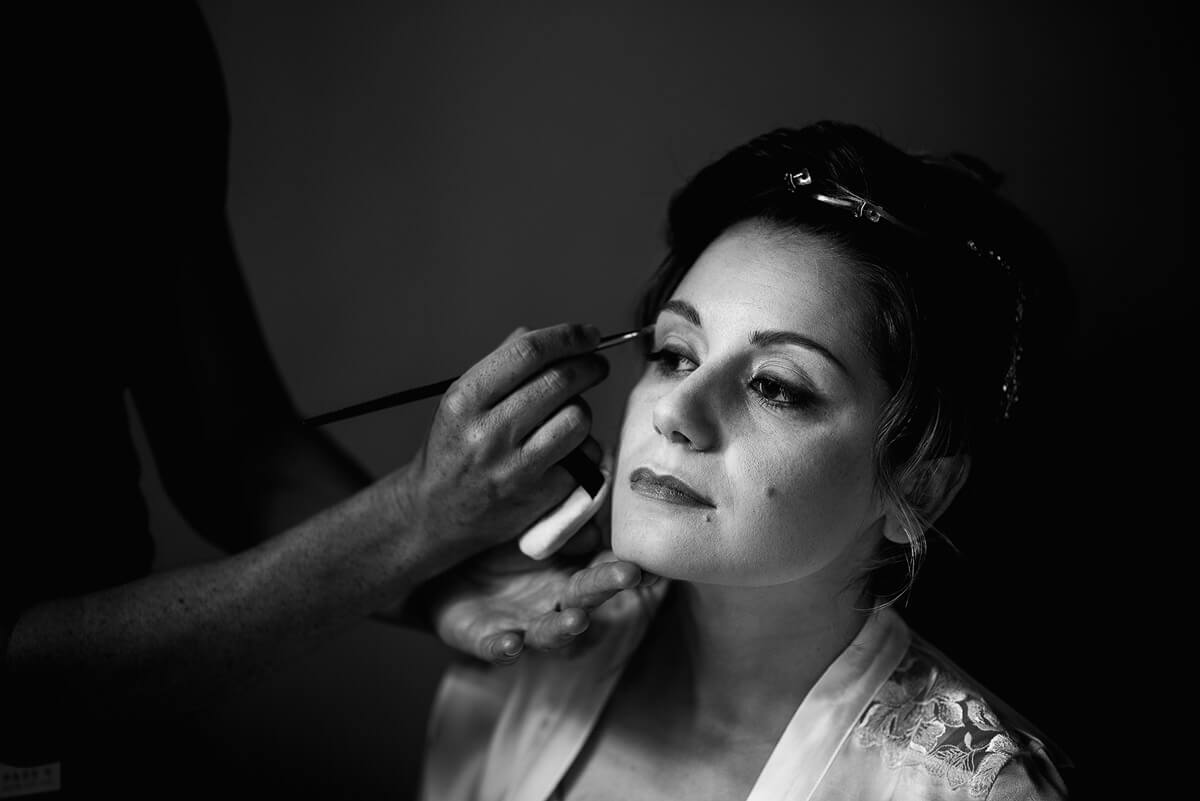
175 641
242 471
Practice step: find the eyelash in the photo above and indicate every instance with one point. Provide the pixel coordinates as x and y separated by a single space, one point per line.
666 363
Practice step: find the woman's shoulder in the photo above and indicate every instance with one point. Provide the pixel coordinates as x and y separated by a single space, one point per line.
936 727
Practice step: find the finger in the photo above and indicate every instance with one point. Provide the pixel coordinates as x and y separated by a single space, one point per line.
535 400
563 432
460 620
467 628
594 585
516 332
556 629
502 648
542 497
520 358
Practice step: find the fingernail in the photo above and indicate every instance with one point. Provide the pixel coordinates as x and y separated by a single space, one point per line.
647 579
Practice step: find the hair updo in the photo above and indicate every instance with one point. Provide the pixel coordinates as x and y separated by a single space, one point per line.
947 324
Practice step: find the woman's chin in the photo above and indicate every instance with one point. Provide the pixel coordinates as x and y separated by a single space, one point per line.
664 556
656 538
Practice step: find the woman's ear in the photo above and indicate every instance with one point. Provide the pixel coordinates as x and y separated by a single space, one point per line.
940 482
947 477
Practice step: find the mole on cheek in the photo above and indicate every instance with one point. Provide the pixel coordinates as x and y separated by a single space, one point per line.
771 491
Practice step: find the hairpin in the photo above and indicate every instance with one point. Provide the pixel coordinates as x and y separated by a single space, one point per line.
842 197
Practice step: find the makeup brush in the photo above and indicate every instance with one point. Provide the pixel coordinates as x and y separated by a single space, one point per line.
578 465
436 388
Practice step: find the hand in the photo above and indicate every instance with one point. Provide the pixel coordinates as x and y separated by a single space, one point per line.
502 602
488 468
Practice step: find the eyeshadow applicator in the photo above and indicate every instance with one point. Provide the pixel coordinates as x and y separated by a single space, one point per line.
548 534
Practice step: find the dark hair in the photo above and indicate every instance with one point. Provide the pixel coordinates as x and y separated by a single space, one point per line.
946 322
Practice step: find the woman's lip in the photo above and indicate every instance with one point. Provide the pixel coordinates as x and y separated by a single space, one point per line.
645 481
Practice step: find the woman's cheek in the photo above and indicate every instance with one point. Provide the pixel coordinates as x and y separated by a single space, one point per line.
799 511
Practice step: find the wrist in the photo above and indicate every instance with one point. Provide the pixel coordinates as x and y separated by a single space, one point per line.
421 550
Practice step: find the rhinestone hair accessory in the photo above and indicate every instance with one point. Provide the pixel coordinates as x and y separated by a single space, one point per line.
834 194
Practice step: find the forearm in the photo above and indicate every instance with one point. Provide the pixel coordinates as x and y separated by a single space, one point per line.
313 472
176 641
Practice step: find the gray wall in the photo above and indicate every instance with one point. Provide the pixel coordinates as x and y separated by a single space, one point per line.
410 181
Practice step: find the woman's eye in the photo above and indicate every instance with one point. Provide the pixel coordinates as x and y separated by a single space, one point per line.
669 362
776 393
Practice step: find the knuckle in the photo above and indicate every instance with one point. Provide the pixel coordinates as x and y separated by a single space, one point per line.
623 574
502 484
515 482
574 622
592 581
526 464
578 334
528 348
576 417
599 579
566 337
554 381
455 402
475 437
575 589
569 335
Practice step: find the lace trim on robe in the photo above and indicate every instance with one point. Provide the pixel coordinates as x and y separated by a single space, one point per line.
927 717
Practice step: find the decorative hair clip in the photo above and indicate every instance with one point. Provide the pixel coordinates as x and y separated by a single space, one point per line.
843 198
840 197
1011 385
795 180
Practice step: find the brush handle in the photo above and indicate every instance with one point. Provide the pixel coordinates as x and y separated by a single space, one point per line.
385 402
436 388
584 472
545 537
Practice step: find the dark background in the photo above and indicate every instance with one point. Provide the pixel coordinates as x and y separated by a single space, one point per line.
410 181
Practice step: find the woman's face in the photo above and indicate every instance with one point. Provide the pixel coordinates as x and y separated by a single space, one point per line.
745 455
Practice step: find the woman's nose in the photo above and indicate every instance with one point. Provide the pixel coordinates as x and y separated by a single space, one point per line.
685 415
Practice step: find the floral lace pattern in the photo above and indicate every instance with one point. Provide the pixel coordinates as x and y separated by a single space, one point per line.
925 717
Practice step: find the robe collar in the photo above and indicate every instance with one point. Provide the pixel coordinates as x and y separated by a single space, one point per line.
556 705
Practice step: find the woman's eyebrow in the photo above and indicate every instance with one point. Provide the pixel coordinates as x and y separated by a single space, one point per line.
767 338
684 309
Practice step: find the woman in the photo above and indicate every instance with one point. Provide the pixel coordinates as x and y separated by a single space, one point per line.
840 328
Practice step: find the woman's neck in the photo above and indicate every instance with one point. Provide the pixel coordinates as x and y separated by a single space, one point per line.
738 659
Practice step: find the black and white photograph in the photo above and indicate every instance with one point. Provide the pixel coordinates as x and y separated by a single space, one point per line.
657 401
